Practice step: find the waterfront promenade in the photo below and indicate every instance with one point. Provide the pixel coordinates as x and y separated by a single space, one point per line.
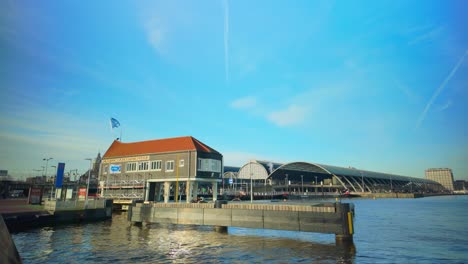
18 206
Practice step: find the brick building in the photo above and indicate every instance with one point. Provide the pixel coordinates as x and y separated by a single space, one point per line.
152 169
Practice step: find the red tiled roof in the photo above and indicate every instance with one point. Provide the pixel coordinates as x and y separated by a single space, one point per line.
119 149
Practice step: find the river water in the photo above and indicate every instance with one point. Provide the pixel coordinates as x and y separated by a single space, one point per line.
426 230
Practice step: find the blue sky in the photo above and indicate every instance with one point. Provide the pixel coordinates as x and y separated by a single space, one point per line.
377 85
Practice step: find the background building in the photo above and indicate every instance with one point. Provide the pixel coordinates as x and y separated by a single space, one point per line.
444 176
460 185
306 177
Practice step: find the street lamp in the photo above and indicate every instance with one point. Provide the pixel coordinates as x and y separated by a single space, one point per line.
362 181
251 187
302 183
53 186
391 184
315 185
87 184
287 183
47 163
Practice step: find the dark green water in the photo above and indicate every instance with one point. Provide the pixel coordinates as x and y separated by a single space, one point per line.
427 230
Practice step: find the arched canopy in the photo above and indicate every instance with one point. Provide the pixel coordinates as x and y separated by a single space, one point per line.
335 170
320 174
314 173
301 171
254 170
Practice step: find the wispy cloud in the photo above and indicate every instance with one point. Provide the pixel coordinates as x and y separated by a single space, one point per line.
155 35
296 109
407 91
427 36
292 115
440 89
444 106
226 39
244 102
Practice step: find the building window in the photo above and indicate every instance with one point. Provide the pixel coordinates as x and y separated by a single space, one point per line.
104 170
143 166
131 167
170 165
210 165
156 165
181 163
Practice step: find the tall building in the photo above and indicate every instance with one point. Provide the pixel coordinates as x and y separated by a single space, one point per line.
444 176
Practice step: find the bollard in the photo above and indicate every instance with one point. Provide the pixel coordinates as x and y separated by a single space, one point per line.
219 204
346 215
221 229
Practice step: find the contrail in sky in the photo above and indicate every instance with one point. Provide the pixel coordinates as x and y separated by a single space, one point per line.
439 90
226 39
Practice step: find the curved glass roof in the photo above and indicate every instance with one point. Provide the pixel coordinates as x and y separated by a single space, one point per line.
341 171
266 169
253 170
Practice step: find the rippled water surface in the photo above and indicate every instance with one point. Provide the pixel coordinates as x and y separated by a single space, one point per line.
428 230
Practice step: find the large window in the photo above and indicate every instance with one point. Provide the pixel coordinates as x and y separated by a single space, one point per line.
170 165
156 165
131 167
143 166
210 165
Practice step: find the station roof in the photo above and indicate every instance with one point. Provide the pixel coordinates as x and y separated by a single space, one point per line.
342 171
120 149
265 169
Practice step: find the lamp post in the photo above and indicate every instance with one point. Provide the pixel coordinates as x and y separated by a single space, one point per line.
47 163
362 181
302 184
251 187
391 184
55 178
315 185
87 184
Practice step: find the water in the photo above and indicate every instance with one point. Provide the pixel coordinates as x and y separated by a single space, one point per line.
428 230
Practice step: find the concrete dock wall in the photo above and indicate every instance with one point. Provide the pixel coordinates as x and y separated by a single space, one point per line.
19 221
326 218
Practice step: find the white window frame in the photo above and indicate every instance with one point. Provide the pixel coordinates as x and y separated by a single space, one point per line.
168 166
141 164
181 163
156 167
131 164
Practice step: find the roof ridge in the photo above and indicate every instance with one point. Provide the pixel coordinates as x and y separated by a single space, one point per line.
164 145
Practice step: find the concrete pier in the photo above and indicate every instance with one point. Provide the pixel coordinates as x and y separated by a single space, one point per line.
55 213
331 218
